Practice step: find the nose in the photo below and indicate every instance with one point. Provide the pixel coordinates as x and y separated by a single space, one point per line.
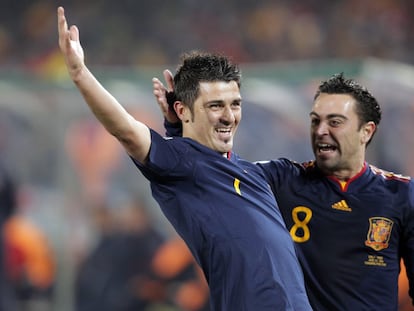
321 129
228 116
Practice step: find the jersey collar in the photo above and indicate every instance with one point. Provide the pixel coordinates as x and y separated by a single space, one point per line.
345 184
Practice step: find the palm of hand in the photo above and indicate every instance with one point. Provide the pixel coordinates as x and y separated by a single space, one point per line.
73 50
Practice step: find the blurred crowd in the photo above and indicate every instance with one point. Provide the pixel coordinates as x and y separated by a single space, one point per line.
130 32
129 265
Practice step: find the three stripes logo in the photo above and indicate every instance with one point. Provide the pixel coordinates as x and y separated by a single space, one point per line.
342 206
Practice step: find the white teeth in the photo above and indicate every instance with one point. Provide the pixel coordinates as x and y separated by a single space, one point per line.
326 147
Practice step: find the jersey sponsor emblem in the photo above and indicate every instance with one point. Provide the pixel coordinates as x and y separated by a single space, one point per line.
379 233
342 206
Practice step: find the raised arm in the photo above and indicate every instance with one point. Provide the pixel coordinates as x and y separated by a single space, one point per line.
133 135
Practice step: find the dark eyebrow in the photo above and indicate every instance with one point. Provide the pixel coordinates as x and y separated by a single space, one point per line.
220 101
330 116
238 100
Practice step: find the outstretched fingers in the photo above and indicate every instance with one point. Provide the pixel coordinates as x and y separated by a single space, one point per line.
66 35
169 80
62 26
69 44
159 92
74 33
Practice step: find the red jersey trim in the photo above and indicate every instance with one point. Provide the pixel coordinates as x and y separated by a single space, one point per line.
345 184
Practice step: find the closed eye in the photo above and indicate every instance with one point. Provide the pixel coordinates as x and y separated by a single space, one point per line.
215 106
236 104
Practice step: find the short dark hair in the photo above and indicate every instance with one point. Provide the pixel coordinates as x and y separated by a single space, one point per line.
199 67
367 107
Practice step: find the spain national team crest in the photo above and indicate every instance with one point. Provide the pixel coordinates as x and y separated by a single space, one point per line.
379 233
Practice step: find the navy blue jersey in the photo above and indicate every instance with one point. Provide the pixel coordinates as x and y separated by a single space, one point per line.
349 236
226 213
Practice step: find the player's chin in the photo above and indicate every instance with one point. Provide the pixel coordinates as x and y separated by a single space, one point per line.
225 146
326 163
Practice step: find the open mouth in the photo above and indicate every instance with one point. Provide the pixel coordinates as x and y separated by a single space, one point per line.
224 130
224 134
322 148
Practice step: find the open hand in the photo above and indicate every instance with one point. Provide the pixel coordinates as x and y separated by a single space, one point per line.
69 44
160 92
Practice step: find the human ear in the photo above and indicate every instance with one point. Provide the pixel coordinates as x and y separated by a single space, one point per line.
368 130
182 111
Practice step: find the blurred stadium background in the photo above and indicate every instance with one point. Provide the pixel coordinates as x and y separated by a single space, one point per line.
66 165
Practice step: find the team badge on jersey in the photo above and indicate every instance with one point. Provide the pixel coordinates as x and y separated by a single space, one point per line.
379 233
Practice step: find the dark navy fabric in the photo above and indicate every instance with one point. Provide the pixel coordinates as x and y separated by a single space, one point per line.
349 237
225 211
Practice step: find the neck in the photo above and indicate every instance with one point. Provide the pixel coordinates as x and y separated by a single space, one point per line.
347 174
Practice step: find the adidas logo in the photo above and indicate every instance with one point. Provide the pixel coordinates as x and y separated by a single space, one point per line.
342 206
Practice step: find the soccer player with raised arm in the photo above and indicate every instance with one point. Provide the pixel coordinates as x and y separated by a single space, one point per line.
221 205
